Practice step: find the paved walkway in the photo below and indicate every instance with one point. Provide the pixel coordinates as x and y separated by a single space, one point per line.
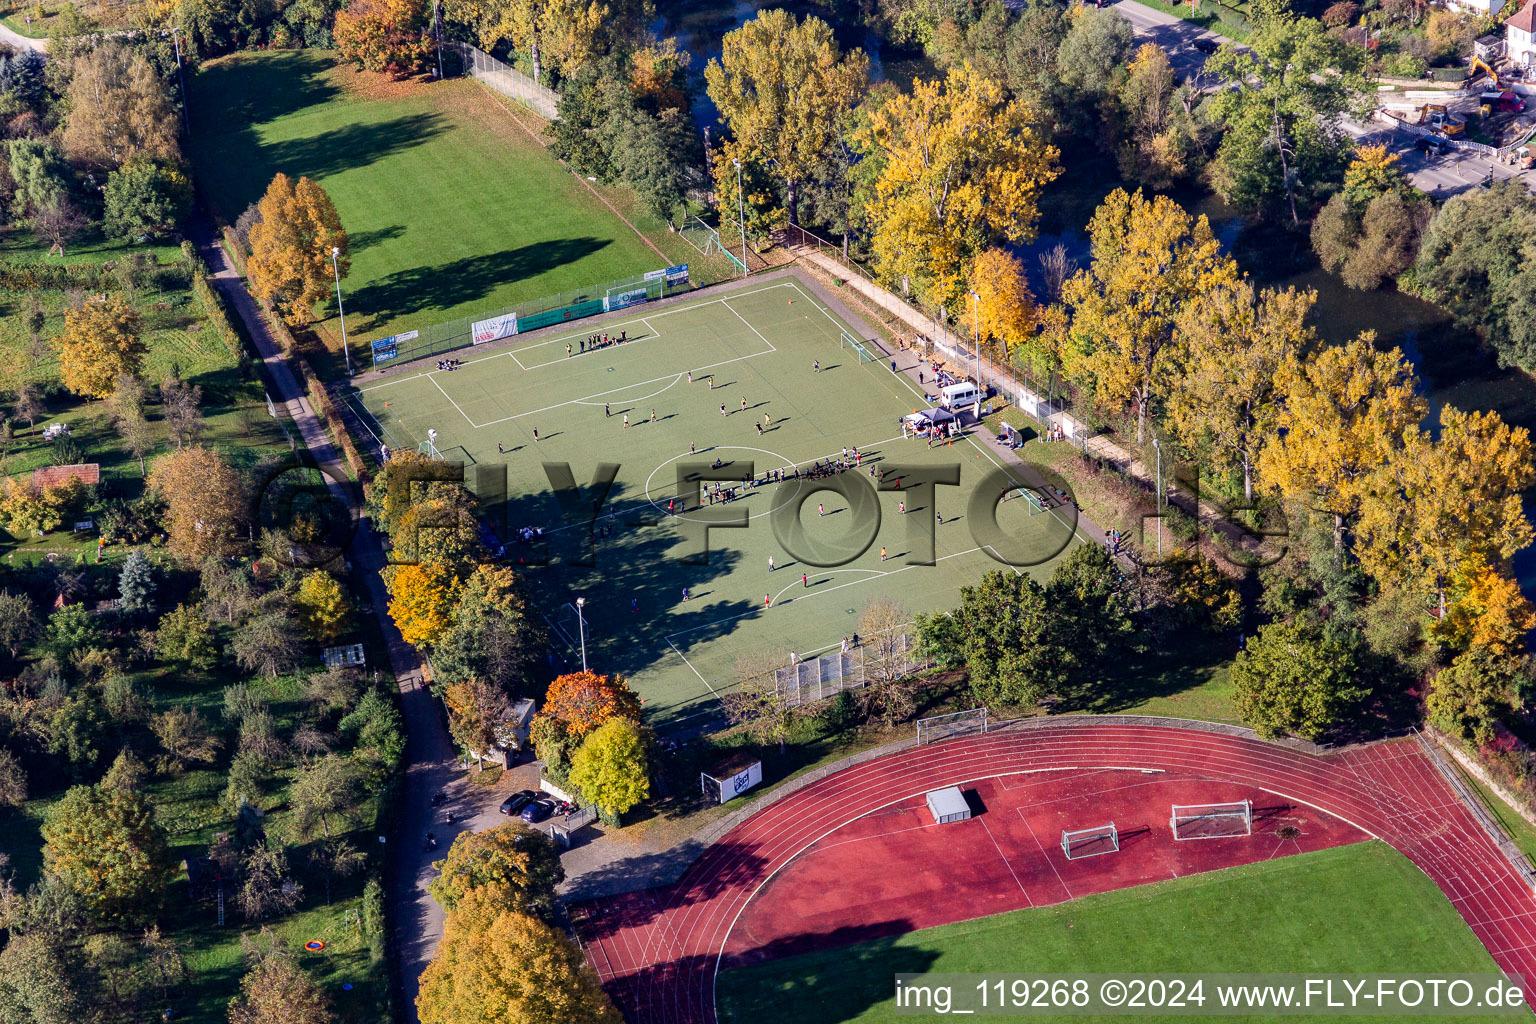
431 765
10 37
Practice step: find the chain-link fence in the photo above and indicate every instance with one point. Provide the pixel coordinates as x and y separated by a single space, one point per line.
851 667
509 81
590 300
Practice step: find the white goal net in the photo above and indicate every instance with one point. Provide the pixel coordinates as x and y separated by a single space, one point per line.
1090 842
943 727
1211 821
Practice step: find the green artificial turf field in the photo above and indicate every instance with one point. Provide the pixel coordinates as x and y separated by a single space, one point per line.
453 207
1359 908
759 341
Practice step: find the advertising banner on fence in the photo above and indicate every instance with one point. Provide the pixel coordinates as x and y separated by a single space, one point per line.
482 331
388 348
674 275
628 297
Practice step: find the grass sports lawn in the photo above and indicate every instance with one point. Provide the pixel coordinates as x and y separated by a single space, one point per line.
1359 908
453 207
759 340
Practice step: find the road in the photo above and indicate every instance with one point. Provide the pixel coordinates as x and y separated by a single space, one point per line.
1175 35
1439 176
16 41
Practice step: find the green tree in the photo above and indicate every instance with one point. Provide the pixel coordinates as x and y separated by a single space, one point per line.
1478 260
1289 88
40 983
271 643
107 846
76 729
144 199
185 635
13 780
1297 678
516 861
136 583
18 622
1478 688
1003 628
1090 602
324 792
612 766
278 991
1099 43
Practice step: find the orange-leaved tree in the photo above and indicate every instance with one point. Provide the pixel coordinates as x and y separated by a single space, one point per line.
100 341
384 35
290 262
582 701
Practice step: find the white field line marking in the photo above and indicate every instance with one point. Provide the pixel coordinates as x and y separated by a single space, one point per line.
565 338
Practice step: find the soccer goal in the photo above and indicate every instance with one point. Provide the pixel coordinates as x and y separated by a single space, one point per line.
848 341
943 727
567 625
1032 497
707 240
1212 821
1090 842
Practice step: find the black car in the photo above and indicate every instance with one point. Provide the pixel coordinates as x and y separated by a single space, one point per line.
514 804
1207 45
1429 145
538 810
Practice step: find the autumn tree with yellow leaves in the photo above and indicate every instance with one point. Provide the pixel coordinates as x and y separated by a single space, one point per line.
1347 409
1004 309
786 91
100 341
564 33
1151 261
1441 507
1226 397
421 600
518 863
961 167
290 264
497 965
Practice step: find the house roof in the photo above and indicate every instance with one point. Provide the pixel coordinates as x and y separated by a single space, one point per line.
1525 20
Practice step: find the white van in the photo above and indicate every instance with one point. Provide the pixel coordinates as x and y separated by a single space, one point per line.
958 396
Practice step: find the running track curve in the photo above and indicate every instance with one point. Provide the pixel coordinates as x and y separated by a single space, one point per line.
657 950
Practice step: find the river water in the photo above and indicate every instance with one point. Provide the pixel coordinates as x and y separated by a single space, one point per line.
1453 368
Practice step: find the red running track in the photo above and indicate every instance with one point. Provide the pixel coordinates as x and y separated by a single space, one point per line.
657 951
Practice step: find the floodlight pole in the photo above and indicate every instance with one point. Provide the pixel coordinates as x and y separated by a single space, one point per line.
1159 448
976 332
336 269
581 626
741 213
186 118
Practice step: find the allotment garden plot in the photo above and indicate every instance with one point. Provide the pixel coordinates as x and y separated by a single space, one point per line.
740 383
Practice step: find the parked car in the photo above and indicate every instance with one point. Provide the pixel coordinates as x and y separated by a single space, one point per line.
1205 44
515 803
538 810
1429 145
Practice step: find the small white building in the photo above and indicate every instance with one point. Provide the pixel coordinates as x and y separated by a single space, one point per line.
1485 8
1520 36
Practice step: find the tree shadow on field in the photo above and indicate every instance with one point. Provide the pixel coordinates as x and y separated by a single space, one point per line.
360 240
467 280
351 146
233 95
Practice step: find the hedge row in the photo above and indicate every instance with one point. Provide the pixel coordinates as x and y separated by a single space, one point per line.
212 302
320 401
26 277
319 398
232 246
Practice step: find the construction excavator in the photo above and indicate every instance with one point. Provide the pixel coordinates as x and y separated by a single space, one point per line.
1435 116
1479 64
